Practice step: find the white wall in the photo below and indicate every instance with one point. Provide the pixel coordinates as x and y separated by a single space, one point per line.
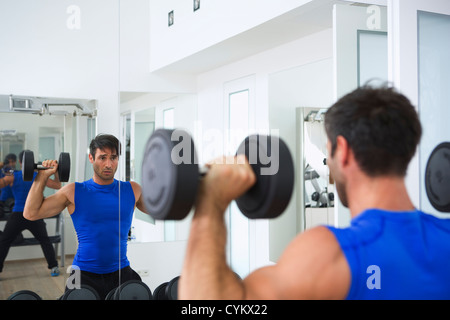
135 53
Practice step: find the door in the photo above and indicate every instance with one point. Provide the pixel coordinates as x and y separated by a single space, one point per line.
419 51
360 35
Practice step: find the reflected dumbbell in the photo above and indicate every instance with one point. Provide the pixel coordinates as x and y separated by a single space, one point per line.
85 292
167 290
130 290
170 175
24 295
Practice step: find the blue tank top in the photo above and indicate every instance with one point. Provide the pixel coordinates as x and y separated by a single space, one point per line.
102 230
20 190
6 193
397 255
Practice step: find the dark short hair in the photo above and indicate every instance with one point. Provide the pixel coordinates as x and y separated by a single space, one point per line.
10 157
380 125
102 141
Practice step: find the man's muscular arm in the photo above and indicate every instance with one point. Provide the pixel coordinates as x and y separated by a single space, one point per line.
311 267
36 207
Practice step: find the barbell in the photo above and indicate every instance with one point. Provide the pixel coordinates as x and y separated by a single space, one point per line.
170 175
28 166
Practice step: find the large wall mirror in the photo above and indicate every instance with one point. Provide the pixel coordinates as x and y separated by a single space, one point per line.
46 126
59 88
142 113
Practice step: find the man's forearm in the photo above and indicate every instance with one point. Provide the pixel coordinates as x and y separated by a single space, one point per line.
206 274
35 197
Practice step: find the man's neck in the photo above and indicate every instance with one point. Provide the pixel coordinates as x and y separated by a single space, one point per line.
101 181
387 193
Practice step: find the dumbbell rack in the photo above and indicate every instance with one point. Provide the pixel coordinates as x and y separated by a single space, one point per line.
56 239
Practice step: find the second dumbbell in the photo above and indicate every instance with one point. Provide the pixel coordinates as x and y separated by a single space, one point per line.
28 166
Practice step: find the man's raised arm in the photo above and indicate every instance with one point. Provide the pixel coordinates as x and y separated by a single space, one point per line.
36 206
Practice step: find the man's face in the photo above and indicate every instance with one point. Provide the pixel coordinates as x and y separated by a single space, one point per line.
12 164
337 176
105 163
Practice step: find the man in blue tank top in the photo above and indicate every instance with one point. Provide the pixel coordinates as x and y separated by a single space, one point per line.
391 250
101 210
13 183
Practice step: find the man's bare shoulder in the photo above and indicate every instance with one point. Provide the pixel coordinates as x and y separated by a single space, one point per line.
318 267
68 192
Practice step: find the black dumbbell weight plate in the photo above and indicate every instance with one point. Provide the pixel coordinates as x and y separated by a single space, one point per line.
64 166
172 289
169 187
437 177
24 295
160 292
133 290
272 163
85 292
110 295
27 166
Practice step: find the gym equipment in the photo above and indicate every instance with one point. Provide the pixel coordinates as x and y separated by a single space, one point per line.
160 291
85 292
167 290
28 166
172 289
437 177
24 295
130 290
170 175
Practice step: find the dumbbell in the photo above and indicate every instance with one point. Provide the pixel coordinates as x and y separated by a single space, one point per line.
28 166
85 292
130 290
437 177
170 175
24 295
167 290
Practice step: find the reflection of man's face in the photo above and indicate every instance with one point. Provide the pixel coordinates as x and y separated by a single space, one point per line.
105 164
337 176
12 164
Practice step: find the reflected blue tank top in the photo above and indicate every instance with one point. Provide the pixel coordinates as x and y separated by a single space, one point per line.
20 190
102 229
397 255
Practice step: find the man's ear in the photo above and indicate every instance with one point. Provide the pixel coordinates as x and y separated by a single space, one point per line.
342 151
91 160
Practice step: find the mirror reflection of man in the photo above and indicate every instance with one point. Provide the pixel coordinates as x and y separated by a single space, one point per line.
16 222
6 197
93 206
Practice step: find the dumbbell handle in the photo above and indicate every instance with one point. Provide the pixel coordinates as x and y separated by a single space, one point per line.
41 167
